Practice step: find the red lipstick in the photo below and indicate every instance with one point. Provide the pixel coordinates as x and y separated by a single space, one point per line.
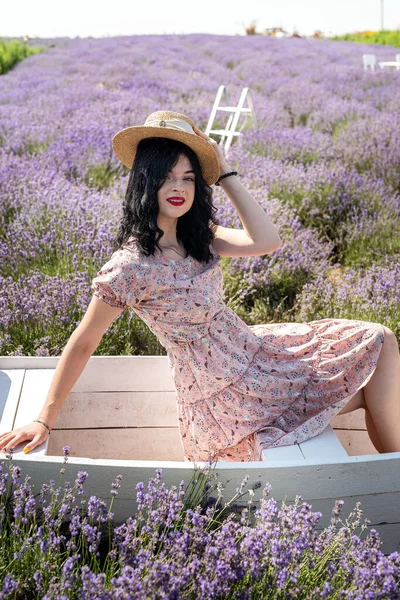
176 200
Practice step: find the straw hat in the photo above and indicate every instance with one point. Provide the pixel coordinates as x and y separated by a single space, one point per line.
167 124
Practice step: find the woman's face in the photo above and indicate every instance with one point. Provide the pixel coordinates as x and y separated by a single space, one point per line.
176 194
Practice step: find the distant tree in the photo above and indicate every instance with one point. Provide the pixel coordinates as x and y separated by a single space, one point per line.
251 29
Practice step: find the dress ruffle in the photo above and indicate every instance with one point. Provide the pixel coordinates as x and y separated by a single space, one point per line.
301 377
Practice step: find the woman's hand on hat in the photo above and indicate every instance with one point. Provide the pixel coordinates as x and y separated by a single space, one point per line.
223 165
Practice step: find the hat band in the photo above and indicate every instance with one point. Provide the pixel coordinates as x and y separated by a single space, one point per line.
178 124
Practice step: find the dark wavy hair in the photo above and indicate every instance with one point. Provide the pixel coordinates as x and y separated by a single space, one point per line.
154 157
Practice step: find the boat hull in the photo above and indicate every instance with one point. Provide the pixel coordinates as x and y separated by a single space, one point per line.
120 418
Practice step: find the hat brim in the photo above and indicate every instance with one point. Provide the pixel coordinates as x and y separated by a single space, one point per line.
125 144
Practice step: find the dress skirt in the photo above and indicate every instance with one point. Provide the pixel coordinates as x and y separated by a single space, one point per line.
319 367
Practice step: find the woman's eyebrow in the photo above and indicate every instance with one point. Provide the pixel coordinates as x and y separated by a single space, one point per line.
169 171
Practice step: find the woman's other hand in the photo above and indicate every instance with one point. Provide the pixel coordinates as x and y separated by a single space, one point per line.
223 165
34 433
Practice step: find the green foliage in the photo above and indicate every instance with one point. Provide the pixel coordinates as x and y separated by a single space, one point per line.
128 335
14 52
367 249
232 64
100 176
32 147
56 542
276 150
265 305
340 300
361 248
385 37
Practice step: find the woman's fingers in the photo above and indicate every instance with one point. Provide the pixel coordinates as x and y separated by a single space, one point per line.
217 148
37 440
5 440
2 435
200 133
12 441
36 434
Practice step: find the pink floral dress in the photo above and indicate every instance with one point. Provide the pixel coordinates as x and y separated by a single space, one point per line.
239 388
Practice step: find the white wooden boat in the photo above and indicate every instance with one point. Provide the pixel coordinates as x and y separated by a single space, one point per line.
121 418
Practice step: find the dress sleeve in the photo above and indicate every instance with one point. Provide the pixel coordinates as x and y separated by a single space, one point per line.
116 283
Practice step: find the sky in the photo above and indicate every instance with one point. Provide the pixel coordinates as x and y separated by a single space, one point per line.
100 18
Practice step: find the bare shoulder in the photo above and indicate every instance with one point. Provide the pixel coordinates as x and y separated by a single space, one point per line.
131 246
129 253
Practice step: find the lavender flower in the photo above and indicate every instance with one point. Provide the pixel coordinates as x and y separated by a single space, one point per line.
116 485
323 162
9 586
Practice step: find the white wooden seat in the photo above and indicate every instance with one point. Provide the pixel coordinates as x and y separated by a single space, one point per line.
369 61
325 445
391 63
117 409
138 409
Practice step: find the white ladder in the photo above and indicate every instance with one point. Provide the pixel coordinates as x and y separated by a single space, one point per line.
231 128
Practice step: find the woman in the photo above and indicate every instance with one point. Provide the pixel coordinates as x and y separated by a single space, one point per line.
239 389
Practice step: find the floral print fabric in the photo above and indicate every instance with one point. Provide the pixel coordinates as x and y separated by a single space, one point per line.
240 389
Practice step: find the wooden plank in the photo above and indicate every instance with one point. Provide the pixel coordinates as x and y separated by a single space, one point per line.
28 362
147 443
375 507
37 383
33 395
323 479
378 508
120 373
353 420
131 409
328 479
107 373
11 381
390 535
356 443
350 440
83 410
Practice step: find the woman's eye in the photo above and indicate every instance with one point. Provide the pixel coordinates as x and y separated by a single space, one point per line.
187 178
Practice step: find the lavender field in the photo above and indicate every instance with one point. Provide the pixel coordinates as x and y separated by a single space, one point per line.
324 163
